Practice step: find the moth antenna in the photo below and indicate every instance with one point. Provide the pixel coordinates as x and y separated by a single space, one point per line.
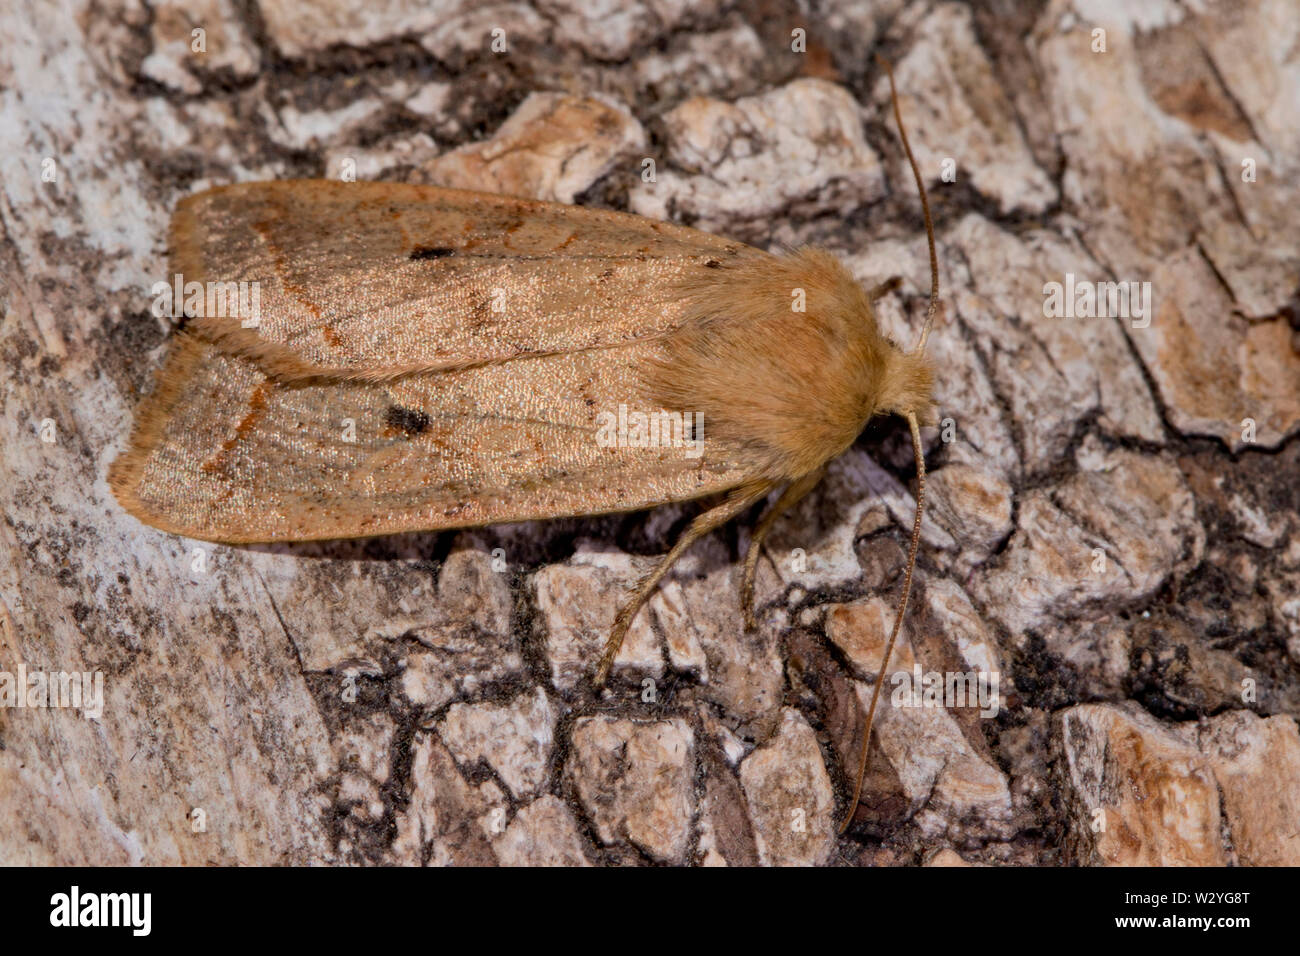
898 619
925 209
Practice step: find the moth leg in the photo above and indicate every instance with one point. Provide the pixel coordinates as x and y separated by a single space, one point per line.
884 288
714 518
793 494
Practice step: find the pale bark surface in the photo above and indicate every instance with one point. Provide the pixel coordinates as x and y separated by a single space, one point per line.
1115 502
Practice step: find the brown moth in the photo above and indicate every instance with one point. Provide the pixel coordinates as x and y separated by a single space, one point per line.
432 358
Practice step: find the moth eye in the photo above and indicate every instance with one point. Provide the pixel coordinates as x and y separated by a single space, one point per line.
431 252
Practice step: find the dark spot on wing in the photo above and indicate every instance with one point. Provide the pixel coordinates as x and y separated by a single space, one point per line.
431 252
713 264
412 421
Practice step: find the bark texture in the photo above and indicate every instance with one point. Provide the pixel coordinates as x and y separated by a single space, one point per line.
1115 521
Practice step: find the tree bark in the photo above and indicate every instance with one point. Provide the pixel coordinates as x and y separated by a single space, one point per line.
1114 533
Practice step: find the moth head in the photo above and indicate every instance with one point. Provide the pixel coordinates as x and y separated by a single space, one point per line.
908 386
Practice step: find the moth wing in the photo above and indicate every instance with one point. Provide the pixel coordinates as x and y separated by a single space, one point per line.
372 280
223 452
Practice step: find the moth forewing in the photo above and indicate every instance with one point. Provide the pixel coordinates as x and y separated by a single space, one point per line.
373 280
224 452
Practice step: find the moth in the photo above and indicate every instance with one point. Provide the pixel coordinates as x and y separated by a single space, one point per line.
428 358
